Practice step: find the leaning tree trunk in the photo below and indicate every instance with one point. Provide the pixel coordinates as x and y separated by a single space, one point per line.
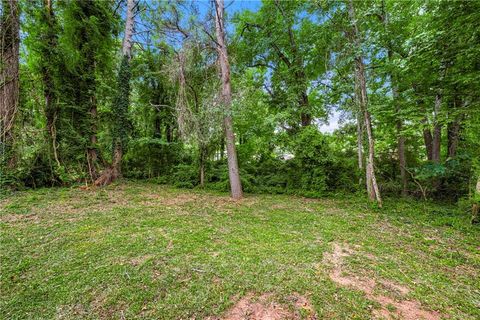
121 103
372 186
233 172
9 77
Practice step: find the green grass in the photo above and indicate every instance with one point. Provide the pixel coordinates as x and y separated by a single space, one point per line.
141 250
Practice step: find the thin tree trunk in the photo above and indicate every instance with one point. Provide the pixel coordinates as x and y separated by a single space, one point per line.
91 150
372 186
437 131
476 203
359 134
233 172
9 76
202 165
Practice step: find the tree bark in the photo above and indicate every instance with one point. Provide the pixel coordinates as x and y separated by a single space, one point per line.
372 186
9 76
233 171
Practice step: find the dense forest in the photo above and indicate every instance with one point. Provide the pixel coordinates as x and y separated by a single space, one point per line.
235 96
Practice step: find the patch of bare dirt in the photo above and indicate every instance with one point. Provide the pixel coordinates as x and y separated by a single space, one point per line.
137 261
182 199
12 218
390 308
265 307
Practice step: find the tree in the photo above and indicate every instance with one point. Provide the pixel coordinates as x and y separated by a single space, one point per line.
226 98
121 102
43 32
280 39
9 75
360 78
87 42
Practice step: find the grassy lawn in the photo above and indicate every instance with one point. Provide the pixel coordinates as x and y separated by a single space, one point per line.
141 250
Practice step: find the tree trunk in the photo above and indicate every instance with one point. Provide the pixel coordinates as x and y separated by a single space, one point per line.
476 203
437 131
359 134
202 159
127 53
48 74
9 77
91 150
453 136
428 140
372 186
453 129
233 172
121 103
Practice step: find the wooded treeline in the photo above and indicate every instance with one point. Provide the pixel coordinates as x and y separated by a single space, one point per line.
186 93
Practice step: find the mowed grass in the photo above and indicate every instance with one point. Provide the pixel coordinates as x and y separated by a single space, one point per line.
138 250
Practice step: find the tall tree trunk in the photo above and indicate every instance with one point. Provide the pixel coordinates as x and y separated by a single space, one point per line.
359 134
9 77
124 91
121 103
437 130
233 172
48 74
372 186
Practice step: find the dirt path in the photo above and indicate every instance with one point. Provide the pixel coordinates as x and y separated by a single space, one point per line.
400 308
264 307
